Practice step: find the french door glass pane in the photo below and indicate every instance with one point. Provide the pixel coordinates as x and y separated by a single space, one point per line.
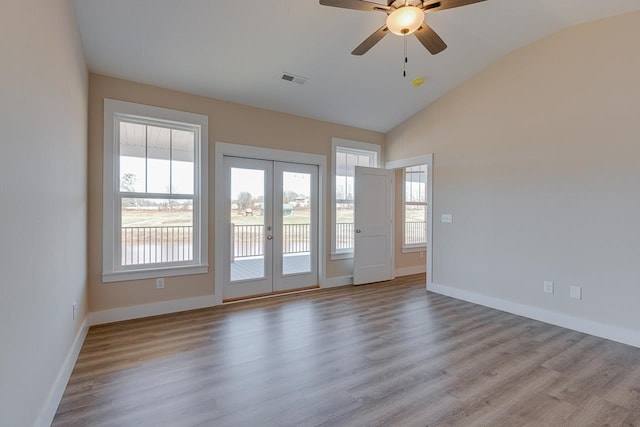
296 223
247 224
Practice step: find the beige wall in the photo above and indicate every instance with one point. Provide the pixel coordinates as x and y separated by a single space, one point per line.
537 158
43 188
228 122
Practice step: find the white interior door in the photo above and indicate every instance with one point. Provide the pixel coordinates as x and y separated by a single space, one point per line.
272 213
373 222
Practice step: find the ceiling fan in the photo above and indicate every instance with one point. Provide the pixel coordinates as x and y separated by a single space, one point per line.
404 17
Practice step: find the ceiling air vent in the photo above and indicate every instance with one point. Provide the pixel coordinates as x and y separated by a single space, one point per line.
294 79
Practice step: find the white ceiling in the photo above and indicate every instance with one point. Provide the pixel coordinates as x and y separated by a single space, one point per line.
237 50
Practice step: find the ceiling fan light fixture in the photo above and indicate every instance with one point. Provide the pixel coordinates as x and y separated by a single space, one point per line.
405 20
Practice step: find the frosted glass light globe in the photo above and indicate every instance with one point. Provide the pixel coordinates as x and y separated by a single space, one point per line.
405 20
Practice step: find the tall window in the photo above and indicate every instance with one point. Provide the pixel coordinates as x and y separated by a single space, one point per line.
346 156
415 207
153 192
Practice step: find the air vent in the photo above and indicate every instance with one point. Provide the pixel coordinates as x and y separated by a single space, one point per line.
294 79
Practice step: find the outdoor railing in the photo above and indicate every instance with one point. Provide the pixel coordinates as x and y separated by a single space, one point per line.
296 238
149 245
248 240
415 232
344 235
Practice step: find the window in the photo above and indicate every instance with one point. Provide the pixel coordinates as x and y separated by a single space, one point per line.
414 233
346 156
155 206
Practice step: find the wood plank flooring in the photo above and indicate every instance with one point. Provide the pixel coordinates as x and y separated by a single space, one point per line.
386 354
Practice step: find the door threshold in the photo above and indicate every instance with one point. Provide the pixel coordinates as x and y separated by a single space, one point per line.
271 294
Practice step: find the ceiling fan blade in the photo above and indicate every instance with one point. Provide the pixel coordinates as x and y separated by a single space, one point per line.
435 5
430 39
371 41
356 5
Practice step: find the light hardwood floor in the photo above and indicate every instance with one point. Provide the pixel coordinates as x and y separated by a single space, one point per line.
384 354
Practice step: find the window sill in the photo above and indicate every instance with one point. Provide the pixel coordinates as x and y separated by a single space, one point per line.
341 255
121 276
414 249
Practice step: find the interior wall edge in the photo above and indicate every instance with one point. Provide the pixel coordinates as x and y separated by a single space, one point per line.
48 411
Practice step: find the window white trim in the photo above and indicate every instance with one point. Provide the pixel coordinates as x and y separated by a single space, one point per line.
111 269
353 145
426 159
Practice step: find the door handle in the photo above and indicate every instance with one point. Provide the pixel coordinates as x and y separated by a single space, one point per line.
358 230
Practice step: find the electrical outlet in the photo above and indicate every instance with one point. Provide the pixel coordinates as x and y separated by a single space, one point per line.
575 292
447 218
548 287
74 312
160 283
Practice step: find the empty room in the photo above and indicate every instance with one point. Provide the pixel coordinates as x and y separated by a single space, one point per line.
320 213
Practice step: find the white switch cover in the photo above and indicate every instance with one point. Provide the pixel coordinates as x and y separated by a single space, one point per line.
448 218
548 287
160 283
575 292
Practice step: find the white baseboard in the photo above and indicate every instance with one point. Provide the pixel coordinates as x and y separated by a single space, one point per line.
610 332
407 271
334 282
55 394
153 309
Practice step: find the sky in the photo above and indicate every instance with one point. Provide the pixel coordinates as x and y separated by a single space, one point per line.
252 181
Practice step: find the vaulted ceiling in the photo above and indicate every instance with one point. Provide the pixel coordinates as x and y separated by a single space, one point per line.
238 50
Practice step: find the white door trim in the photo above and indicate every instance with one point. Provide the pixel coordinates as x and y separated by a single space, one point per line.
225 149
426 159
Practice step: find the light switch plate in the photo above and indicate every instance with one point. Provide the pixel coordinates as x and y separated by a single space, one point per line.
447 218
160 283
548 287
575 292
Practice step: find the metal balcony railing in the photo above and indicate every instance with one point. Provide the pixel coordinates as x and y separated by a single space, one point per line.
150 245
248 240
415 232
344 235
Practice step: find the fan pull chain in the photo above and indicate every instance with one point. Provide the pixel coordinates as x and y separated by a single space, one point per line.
404 73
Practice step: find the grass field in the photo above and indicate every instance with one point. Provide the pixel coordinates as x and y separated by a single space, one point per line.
164 218
150 218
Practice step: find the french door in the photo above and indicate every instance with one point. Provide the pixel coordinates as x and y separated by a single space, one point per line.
272 216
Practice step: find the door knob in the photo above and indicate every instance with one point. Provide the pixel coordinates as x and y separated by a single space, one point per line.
358 230
269 237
